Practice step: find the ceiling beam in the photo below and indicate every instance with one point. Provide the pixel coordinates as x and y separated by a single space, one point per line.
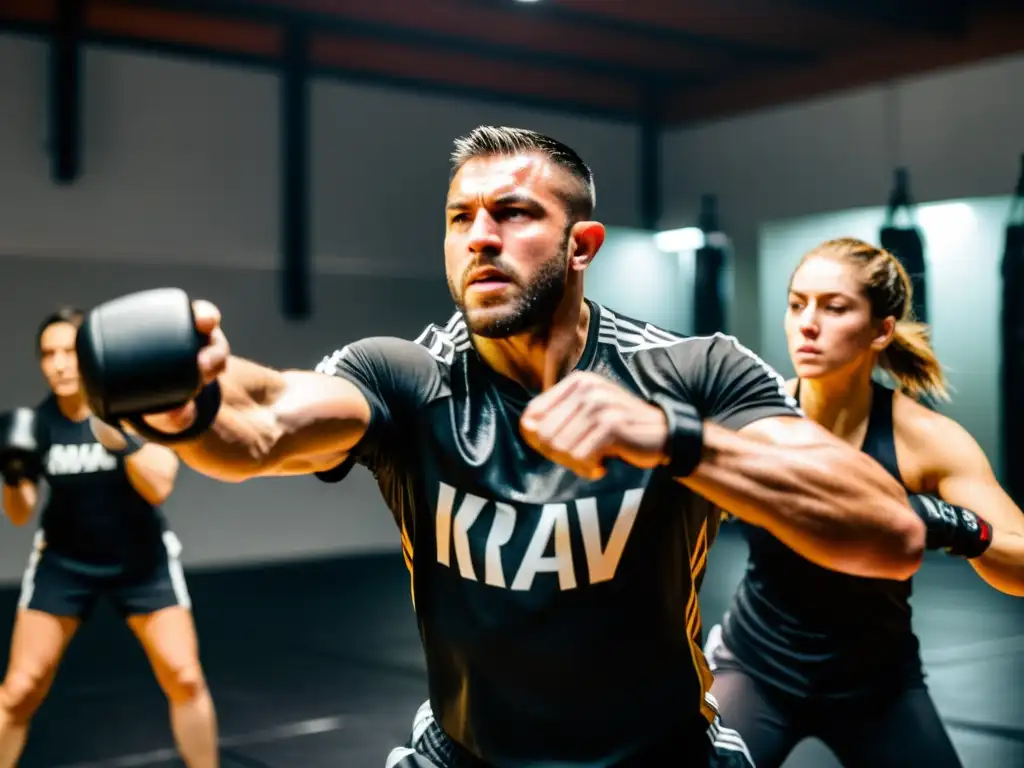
491 24
423 71
775 24
455 67
352 25
941 18
595 20
992 33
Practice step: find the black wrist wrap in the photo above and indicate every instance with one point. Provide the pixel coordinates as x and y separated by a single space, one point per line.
959 531
685 445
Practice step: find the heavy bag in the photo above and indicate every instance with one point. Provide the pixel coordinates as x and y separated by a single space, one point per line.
907 246
1012 390
708 294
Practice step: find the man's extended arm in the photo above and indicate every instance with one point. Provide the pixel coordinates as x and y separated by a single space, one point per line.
273 423
824 499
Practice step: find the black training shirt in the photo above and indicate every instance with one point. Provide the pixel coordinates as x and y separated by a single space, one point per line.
558 615
93 516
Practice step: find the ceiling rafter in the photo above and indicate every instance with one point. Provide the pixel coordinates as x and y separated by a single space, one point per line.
707 58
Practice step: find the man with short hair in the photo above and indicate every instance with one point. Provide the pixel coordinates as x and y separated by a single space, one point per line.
556 470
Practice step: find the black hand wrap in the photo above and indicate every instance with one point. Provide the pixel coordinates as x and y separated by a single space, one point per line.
20 457
685 446
207 404
137 355
959 531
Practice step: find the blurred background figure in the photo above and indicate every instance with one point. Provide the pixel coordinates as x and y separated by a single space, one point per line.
100 534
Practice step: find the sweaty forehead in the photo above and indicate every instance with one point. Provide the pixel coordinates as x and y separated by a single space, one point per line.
488 176
824 275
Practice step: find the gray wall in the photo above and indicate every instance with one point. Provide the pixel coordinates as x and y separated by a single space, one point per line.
960 132
181 162
180 187
635 279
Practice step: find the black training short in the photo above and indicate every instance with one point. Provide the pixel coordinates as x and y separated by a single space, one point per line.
61 586
718 747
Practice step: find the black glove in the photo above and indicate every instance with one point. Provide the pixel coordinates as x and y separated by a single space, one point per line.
138 355
20 457
959 531
685 446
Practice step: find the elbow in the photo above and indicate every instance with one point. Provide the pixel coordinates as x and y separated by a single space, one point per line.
152 485
1011 587
893 552
18 509
901 543
900 533
908 546
155 497
164 487
159 497
165 484
18 520
19 514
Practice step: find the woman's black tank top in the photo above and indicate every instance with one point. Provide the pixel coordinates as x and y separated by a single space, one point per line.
810 631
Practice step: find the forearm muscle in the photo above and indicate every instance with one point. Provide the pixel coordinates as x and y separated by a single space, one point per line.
828 502
1002 565
274 422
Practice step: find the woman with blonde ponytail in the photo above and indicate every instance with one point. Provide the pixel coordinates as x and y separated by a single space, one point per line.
805 651
911 362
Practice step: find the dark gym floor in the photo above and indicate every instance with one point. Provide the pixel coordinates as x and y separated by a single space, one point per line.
319 664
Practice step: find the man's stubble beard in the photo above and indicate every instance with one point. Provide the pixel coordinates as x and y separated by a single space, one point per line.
533 308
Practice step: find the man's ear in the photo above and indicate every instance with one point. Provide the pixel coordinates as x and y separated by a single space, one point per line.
585 240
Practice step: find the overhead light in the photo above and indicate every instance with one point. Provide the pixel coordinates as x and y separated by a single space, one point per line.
526 1
948 218
679 240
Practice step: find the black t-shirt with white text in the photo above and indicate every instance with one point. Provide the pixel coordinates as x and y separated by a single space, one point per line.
93 516
558 615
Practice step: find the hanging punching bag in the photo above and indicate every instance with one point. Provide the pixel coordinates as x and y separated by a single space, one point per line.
1013 348
906 243
708 289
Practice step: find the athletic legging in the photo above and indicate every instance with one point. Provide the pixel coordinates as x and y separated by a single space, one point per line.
898 730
